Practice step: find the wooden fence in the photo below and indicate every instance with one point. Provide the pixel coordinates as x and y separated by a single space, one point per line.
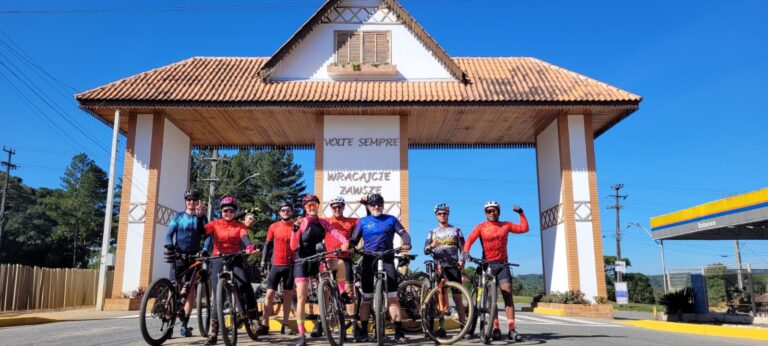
34 288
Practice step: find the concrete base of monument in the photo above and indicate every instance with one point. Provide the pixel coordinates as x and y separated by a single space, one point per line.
122 304
575 310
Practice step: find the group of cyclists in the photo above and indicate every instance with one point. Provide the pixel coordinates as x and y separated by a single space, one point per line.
290 240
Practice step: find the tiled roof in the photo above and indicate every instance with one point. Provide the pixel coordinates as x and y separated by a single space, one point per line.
232 79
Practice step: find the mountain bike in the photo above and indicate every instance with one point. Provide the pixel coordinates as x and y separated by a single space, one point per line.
484 295
230 302
436 307
163 302
332 310
410 294
380 292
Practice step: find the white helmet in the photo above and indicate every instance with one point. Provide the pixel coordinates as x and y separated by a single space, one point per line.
336 200
490 204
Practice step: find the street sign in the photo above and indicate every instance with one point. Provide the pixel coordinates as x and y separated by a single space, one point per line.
622 295
620 266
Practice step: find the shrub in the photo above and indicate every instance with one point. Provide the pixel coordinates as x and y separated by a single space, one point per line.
678 302
569 297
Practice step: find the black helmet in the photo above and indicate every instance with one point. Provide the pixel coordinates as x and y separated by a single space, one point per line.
192 194
285 204
375 199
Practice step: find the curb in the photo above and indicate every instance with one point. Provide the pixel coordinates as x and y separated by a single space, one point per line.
701 329
22 321
549 311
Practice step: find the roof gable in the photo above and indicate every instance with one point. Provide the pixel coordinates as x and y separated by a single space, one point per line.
335 11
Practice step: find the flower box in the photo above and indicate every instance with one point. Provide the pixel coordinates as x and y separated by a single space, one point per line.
576 310
122 304
361 70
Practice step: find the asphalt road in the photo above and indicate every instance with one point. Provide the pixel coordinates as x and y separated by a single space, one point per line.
537 329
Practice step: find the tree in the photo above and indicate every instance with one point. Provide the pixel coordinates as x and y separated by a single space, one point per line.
79 208
609 263
715 279
639 287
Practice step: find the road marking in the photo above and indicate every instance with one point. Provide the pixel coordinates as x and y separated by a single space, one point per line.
575 320
519 317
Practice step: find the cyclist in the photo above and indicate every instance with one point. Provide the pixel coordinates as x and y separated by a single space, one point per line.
308 232
228 236
279 244
185 234
378 232
342 263
445 243
493 236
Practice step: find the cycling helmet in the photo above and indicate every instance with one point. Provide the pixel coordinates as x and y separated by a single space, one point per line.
375 199
285 204
309 198
192 194
491 204
228 201
337 200
443 207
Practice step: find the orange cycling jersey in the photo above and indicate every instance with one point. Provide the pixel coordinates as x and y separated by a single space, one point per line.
280 233
345 226
227 236
493 237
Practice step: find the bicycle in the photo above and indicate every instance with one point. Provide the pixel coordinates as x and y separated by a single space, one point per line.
484 295
434 306
167 297
410 294
332 310
229 302
380 292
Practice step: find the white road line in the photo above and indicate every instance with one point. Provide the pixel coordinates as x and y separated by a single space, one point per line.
519 317
574 320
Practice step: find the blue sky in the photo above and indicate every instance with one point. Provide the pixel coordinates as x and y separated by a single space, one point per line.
699 134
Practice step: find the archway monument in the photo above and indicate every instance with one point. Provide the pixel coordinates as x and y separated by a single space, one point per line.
362 82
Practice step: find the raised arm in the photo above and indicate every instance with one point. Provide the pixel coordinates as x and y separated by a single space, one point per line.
428 243
521 228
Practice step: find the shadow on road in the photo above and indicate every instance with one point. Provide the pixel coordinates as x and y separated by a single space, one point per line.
542 338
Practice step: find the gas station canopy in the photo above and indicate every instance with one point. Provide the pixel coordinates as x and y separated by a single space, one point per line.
740 217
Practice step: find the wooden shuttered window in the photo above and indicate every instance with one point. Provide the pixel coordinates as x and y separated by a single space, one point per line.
369 47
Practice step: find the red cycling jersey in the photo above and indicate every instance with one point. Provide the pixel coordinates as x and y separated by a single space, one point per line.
345 226
280 234
493 237
226 235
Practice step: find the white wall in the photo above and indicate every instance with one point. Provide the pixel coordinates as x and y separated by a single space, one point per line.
174 179
310 58
139 182
584 232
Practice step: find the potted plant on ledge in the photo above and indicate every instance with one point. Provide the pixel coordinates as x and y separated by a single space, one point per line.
362 70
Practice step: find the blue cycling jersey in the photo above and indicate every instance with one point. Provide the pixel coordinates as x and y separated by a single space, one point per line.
187 230
378 232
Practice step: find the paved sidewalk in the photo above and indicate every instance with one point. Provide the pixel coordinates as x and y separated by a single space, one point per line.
18 318
744 332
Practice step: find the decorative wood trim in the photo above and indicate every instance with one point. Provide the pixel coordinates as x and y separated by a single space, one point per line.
319 155
571 246
594 200
125 202
153 187
404 214
551 217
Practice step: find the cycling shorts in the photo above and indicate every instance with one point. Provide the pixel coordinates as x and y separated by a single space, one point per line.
280 274
368 273
501 272
306 269
350 279
453 274
180 266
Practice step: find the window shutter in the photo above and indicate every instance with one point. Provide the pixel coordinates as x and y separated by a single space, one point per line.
342 47
354 48
382 48
369 47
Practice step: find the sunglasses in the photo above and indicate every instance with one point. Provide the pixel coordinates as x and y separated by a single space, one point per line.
311 205
338 206
192 199
227 210
441 213
286 210
376 205
491 211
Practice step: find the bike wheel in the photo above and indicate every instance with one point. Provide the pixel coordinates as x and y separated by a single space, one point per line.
477 308
446 330
203 306
331 313
420 276
158 312
379 303
252 321
227 311
410 294
489 313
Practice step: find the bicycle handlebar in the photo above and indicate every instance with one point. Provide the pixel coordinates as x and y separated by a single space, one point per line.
318 256
481 261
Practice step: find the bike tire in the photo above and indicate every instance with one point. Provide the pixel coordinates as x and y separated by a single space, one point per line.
379 302
250 327
489 305
419 276
226 309
331 314
477 307
410 293
203 306
163 295
429 311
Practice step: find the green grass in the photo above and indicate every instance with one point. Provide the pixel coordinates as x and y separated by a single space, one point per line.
636 307
523 299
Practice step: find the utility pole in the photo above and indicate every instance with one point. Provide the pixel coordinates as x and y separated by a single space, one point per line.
8 167
618 208
737 248
214 179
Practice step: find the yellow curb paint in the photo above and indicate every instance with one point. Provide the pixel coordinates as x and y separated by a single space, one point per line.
549 311
21 321
702 329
